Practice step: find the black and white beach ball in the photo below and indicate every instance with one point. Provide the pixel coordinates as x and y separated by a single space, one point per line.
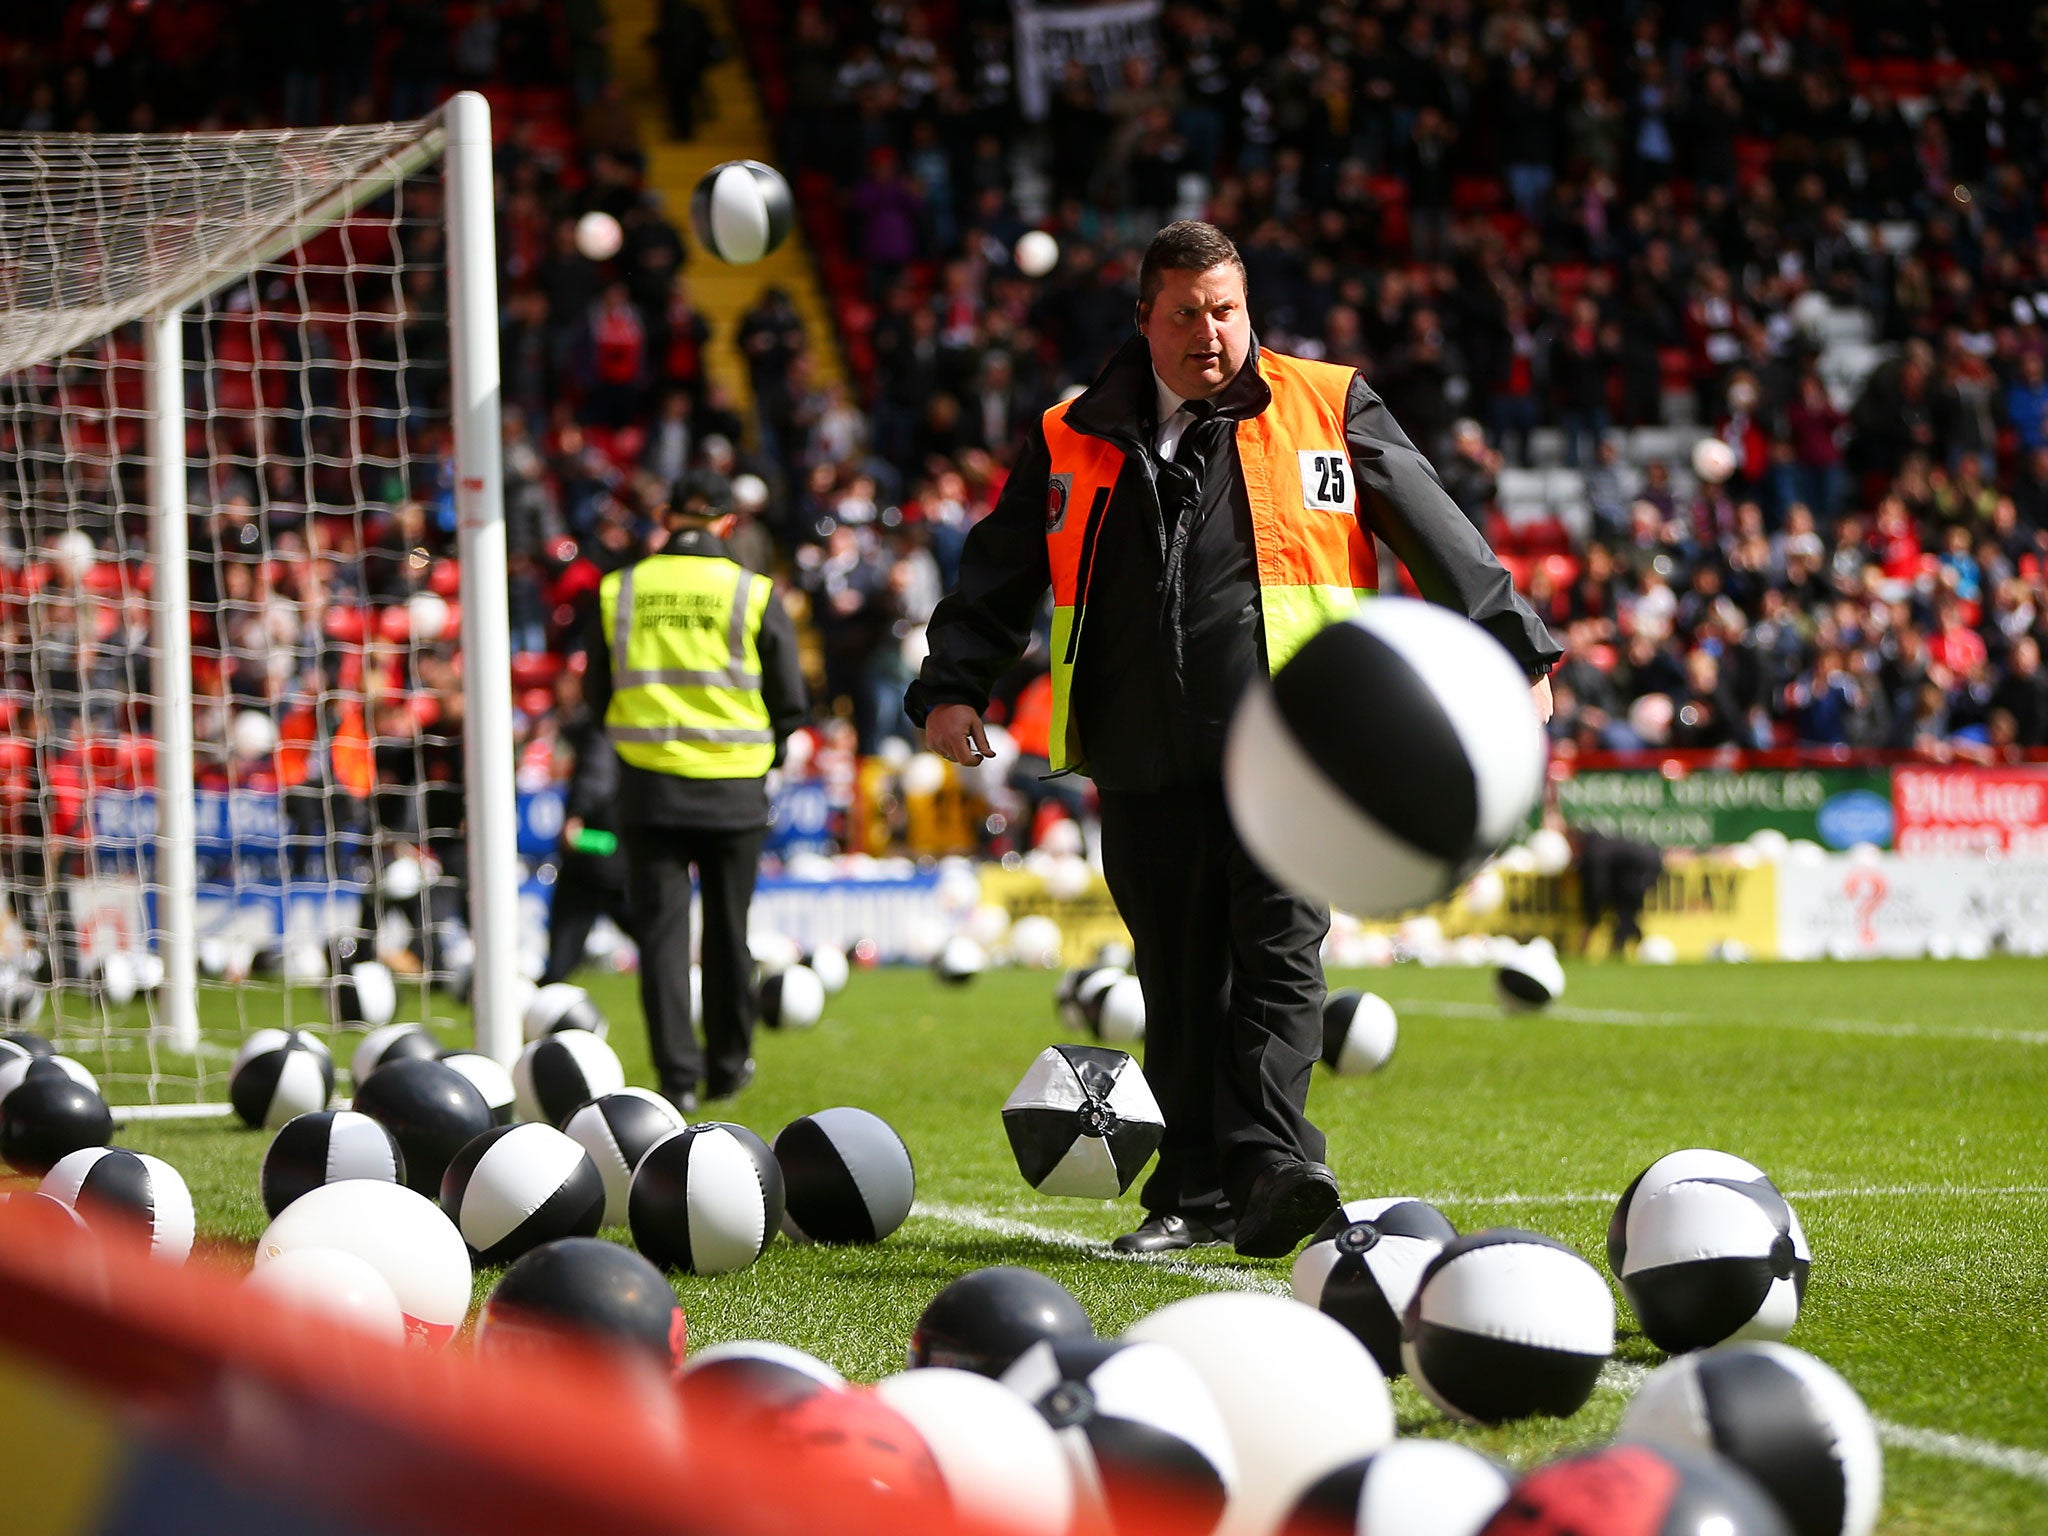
1115 1013
741 210
1078 988
1373 832
279 1074
1134 1420
793 998
558 1072
616 1129
1364 1265
1412 1488
1714 1259
1001 1463
583 1290
326 1147
488 1078
1359 1031
1083 1122
362 993
390 1042
1638 1490
431 1109
558 1006
518 1186
50 1110
1508 1324
1785 1418
118 1192
846 1175
706 1200
1687 1163
985 1319
748 1380
1530 979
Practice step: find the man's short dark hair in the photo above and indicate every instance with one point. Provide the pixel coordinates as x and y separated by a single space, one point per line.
1186 245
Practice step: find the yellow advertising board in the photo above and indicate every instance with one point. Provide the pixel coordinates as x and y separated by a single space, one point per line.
1696 904
1087 921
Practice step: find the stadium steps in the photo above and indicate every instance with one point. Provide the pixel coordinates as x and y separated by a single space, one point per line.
734 128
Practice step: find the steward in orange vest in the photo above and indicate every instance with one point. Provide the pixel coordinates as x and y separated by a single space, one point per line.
1197 513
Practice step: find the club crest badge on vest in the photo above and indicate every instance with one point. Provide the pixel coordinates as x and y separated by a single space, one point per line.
1059 489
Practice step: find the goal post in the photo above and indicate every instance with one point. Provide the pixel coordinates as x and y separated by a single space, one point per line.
266 363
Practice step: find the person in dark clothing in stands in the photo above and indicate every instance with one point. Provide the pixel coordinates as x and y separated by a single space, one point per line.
694 671
590 873
1198 513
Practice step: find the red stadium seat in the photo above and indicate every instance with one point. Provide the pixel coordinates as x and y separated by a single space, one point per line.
535 669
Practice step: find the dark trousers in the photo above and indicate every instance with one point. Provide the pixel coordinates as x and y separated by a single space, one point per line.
586 888
658 861
1233 996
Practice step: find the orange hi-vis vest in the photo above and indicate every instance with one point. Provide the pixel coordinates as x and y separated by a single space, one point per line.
1315 563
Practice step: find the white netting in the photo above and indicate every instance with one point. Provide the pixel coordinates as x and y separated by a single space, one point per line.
327 714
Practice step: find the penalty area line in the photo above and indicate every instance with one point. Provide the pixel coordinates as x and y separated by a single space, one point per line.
1621 1377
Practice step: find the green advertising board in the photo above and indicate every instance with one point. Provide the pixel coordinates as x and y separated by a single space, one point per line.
1835 807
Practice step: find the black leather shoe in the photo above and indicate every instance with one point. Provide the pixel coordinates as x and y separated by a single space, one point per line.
718 1090
1288 1202
1168 1234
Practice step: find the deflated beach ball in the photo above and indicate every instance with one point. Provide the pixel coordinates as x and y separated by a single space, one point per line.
1374 832
616 1129
1412 1488
1134 1420
1714 1259
558 1072
431 1109
335 1284
984 1320
1508 1324
403 1235
518 1186
1083 1122
558 1006
846 1175
706 1200
1364 1265
1358 1032
279 1074
121 1193
327 1147
792 999
581 1290
1638 1490
1300 1397
741 210
1001 1464
390 1042
1785 1418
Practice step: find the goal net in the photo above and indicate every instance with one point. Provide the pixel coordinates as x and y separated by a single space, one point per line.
248 484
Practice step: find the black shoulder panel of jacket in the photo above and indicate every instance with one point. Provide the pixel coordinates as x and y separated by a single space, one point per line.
1401 500
980 629
782 672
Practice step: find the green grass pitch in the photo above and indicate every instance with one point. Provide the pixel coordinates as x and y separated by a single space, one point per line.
1903 1107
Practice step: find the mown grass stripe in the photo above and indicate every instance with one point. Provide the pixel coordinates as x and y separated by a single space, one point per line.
1571 1014
974 1220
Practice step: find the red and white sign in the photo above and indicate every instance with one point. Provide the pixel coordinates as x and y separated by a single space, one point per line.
1949 811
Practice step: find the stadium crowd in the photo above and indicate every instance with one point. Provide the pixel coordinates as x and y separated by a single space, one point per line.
1555 235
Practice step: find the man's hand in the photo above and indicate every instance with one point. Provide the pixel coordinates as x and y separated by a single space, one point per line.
1539 692
954 732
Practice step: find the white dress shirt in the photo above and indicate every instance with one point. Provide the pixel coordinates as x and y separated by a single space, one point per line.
1173 420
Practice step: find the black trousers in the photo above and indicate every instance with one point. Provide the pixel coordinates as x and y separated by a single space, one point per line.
586 888
1233 985
1616 875
658 862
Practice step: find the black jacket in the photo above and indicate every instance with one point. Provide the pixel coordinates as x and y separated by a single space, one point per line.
1173 631
648 799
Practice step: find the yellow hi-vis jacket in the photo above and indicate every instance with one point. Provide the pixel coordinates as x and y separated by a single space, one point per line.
686 667
1314 562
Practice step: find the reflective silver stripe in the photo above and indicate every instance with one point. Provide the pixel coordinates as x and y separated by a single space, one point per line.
677 677
736 629
655 734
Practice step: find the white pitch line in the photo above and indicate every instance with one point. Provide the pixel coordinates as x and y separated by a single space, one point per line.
1003 1226
1570 1014
1838 1192
1618 1376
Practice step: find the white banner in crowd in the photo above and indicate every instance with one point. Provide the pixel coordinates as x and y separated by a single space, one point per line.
1101 37
1844 907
